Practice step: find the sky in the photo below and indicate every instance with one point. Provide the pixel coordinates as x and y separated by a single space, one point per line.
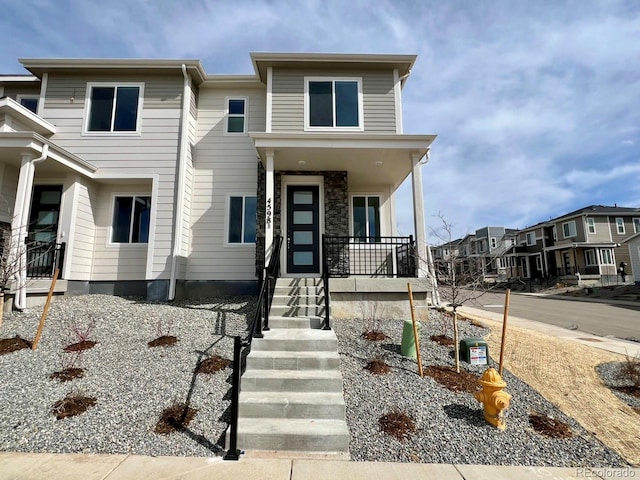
536 104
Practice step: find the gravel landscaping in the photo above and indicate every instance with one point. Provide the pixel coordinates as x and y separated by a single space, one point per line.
609 373
134 383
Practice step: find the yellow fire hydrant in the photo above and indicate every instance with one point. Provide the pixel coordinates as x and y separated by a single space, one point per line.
494 399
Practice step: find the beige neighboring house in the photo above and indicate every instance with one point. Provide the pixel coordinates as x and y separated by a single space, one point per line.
633 243
154 178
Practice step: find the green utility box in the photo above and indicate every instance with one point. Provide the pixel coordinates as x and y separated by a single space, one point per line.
408 346
474 351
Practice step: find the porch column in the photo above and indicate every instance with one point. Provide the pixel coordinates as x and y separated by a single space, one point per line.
418 213
269 205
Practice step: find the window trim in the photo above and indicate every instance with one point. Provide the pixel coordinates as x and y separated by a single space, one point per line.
21 97
227 217
636 224
245 116
332 79
380 212
591 223
601 258
494 242
538 263
593 252
621 224
575 230
554 233
87 109
535 240
129 244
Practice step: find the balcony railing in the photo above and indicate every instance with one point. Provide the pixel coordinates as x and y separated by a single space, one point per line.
43 258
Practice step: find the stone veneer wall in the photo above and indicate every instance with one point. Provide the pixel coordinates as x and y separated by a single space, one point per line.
260 226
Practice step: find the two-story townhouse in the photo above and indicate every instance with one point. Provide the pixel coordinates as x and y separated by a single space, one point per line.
447 257
163 181
492 252
588 244
532 258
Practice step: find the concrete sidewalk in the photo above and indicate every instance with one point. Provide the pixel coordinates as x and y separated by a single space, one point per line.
27 466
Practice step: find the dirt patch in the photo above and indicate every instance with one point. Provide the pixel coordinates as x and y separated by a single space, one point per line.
163 341
213 364
67 374
456 382
8 345
175 417
442 340
397 424
549 427
72 405
374 335
629 390
80 346
377 367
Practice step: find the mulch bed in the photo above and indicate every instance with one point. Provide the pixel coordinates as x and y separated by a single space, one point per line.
175 417
163 341
213 364
67 374
629 390
80 346
377 367
549 427
397 424
72 405
456 382
442 340
374 335
8 345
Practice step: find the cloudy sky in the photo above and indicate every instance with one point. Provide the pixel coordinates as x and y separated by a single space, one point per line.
536 104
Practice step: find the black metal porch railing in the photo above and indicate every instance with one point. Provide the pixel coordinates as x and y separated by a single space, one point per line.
260 323
43 258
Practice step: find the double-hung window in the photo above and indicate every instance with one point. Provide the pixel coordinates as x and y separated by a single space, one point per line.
236 115
636 225
590 257
366 217
531 238
333 104
569 229
113 108
242 219
591 225
131 216
620 225
29 102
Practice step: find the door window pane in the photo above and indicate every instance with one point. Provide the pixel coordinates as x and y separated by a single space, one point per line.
359 217
320 104
47 218
302 218
346 104
302 238
302 198
303 258
366 218
373 216
49 197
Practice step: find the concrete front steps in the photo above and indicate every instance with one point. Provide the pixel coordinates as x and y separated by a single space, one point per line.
291 398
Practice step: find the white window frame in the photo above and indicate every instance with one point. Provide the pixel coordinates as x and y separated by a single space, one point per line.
380 212
620 223
494 242
611 255
19 99
593 261
554 232
129 244
307 125
227 217
245 116
591 225
87 109
538 263
575 231
636 224
513 241
531 235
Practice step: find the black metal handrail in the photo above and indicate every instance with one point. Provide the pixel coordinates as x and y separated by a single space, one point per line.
259 324
43 258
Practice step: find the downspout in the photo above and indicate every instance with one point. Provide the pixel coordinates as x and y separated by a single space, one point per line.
180 175
20 299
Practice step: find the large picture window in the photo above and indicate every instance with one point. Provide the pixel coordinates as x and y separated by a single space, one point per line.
113 108
335 103
366 217
242 219
131 215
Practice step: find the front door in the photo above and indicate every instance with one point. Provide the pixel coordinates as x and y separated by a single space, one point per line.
43 229
303 229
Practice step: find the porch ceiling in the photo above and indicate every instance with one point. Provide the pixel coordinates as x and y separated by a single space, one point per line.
368 159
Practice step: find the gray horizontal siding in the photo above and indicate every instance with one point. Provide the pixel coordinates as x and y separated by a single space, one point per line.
288 98
12 91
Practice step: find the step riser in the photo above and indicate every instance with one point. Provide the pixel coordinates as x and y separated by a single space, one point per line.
286 311
267 344
292 385
296 291
298 282
295 443
261 363
307 301
291 322
280 410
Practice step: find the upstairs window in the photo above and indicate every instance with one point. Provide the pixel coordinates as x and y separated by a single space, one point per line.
531 238
494 242
131 216
333 104
113 108
591 225
28 102
236 115
366 218
620 226
569 229
636 225
242 219
555 233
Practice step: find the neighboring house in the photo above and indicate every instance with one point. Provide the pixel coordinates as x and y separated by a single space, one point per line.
633 270
491 251
531 259
164 181
447 257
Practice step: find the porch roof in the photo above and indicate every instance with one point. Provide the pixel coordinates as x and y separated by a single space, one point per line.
567 246
26 117
368 158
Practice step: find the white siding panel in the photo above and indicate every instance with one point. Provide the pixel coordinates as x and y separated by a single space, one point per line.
8 187
85 233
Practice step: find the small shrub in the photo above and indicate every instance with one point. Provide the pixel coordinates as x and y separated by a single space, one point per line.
163 334
70 368
372 312
80 336
213 364
72 405
629 371
397 424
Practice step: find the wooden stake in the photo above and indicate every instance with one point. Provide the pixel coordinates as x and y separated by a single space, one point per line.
415 330
504 329
46 310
